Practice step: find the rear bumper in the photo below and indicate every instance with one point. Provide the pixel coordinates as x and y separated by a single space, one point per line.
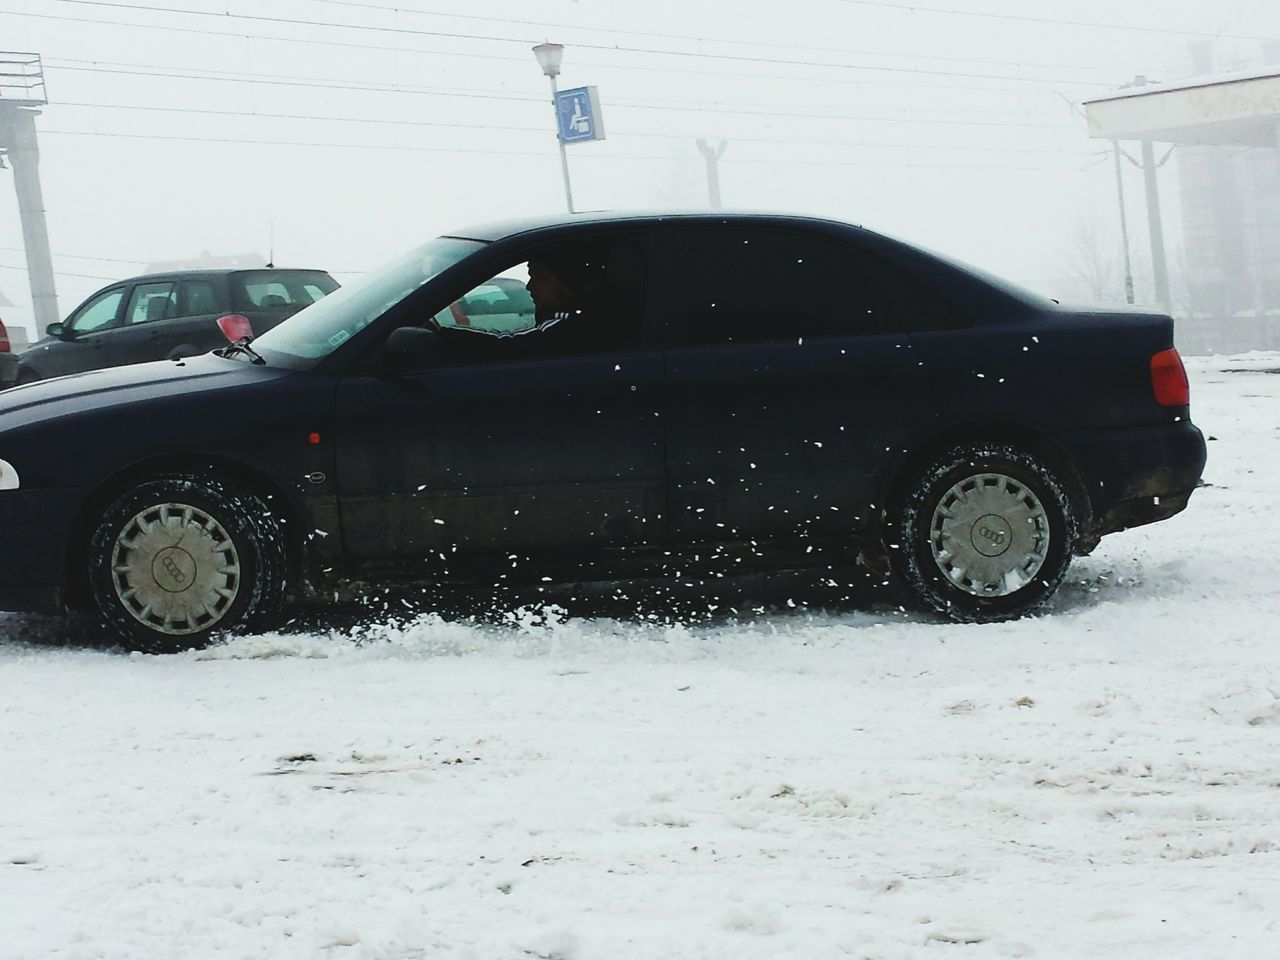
8 369
1136 475
34 527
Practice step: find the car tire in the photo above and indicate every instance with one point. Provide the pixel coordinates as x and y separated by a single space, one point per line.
181 559
984 533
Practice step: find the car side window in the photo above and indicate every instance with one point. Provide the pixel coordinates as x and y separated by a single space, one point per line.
560 299
196 297
99 313
150 302
501 305
741 285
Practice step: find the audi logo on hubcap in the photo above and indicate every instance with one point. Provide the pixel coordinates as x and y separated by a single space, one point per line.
173 569
991 535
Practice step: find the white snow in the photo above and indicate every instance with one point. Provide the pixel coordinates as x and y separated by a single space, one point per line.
1101 782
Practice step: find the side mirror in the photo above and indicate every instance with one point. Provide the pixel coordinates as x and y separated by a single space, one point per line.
58 331
412 348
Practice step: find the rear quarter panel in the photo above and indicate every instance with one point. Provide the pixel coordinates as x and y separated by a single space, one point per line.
1055 371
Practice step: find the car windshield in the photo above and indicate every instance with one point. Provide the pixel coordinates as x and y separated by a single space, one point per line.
315 332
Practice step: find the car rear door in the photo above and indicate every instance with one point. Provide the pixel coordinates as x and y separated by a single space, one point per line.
789 384
139 336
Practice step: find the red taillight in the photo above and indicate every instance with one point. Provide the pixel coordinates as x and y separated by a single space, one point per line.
1169 379
235 327
4 339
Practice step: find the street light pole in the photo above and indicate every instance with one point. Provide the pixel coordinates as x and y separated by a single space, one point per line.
549 57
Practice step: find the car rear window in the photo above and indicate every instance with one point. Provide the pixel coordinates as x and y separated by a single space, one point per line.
278 289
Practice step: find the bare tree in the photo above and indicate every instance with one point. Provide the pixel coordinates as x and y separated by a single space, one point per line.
1092 263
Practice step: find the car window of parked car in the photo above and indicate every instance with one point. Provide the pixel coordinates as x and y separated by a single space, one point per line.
739 285
316 292
99 313
150 302
274 289
561 299
499 306
196 297
314 333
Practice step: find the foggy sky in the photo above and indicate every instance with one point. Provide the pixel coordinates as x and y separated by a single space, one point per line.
949 130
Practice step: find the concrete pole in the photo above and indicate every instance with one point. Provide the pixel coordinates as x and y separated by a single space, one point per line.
1159 266
564 159
712 157
18 136
1124 226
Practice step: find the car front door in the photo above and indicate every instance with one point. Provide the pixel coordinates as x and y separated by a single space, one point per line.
789 385
83 345
532 435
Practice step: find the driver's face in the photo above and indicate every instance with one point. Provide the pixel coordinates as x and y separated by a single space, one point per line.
547 290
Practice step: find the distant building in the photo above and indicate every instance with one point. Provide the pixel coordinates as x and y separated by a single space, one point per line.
207 261
1230 199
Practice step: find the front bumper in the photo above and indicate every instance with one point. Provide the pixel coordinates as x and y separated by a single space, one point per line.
34 528
8 369
1136 475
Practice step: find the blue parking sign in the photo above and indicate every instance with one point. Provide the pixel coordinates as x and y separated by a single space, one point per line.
578 115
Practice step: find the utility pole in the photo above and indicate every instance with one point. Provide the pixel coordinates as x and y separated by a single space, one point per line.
1159 265
1124 225
712 158
21 92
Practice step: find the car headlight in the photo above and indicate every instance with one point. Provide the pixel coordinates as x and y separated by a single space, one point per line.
8 476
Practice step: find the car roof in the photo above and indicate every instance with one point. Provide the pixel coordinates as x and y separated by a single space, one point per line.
505 229
211 272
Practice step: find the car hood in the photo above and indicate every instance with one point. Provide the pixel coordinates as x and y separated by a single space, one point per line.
97 390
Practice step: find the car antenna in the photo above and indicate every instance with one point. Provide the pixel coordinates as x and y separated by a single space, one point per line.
271 245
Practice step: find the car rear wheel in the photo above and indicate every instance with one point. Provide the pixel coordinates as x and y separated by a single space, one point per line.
181 559
984 533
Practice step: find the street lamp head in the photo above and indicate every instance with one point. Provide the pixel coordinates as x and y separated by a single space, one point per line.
549 56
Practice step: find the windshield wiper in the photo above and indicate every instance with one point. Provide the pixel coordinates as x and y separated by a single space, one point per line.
241 346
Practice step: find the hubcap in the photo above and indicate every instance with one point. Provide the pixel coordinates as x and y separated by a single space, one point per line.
175 569
989 535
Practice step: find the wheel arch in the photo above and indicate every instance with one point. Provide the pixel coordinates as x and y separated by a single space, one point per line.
75 576
894 484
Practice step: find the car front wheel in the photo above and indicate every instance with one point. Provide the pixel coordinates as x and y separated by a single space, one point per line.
179 559
984 533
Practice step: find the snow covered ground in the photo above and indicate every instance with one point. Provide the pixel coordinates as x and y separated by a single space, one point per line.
1100 782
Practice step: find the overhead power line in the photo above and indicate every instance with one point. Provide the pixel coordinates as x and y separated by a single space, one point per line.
60 273
395 148
913 7
541 130
72 256
652 51
896 83
631 104
694 38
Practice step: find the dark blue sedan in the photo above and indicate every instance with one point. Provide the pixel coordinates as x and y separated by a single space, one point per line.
592 397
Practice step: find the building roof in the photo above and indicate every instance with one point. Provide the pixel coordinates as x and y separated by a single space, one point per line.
1241 108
